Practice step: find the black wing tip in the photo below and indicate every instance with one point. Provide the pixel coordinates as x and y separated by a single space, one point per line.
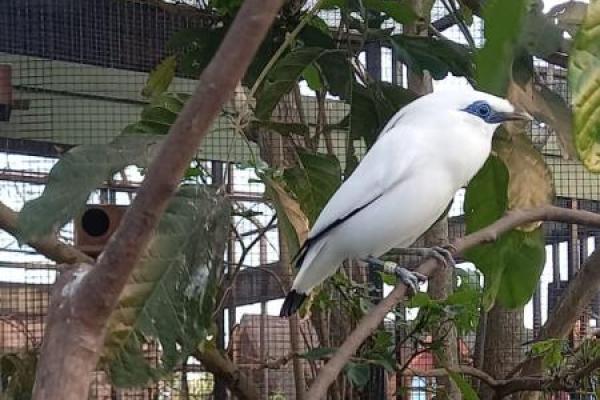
293 301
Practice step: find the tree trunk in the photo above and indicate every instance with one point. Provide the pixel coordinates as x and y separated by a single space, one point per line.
502 344
75 357
440 286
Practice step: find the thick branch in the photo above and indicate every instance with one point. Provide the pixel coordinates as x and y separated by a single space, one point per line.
93 294
49 246
371 321
236 380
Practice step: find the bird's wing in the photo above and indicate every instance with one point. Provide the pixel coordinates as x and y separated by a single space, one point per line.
384 166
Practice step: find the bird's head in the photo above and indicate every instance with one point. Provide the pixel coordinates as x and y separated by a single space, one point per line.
487 111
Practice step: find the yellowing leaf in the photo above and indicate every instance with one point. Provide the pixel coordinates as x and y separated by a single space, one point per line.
292 221
529 179
584 81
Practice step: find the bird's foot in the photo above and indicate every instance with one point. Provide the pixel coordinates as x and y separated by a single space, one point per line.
443 255
412 279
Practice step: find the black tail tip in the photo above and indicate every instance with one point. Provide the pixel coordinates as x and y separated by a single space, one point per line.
292 303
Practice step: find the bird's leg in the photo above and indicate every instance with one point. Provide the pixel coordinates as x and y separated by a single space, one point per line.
442 254
409 278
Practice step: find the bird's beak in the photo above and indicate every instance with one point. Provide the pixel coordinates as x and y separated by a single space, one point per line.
513 116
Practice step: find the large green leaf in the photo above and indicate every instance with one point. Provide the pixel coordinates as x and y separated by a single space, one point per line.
195 47
511 265
160 78
584 81
357 373
75 176
372 106
438 56
503 28
314 181
169 299
337 73
158 116
282 78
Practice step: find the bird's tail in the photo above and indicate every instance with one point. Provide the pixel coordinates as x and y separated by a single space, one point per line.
293 301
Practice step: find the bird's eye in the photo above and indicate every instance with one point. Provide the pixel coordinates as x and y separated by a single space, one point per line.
484 110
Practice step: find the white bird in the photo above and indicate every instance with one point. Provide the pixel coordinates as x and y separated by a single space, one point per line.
426 152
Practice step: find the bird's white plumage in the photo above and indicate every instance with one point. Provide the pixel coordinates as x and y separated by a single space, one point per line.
425 153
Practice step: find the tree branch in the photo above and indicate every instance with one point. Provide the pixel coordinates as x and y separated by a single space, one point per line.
578 294
371 321
236 380
503 387
71 350
49 246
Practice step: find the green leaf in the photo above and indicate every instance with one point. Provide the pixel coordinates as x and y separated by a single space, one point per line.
527 93
75 176
584 82
399 11
226 6
541 36
318 353
337 73
358 374
160 78
530 182
503 27
467 391
314 181
438 56
282 77
158 116
511 265
551 351
312 77
372 106
170 295
569 15
292 221
195 47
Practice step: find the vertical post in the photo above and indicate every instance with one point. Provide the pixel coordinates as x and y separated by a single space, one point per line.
377 381
556 265
537 310
220 391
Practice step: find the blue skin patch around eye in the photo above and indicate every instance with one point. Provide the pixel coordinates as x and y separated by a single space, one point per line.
483 110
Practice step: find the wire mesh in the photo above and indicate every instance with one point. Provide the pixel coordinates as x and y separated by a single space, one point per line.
78 68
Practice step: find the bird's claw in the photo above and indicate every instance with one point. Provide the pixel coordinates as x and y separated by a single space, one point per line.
443 255
411 279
